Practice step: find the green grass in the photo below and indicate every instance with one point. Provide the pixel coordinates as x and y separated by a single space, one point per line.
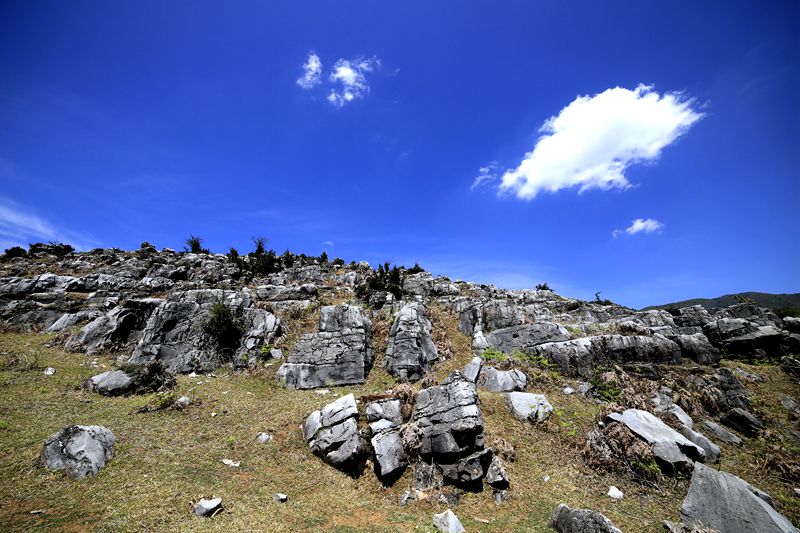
166 459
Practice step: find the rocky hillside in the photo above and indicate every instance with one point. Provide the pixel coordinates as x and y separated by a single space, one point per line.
781 304
202 391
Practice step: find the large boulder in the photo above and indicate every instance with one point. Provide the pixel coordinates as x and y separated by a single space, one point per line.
178 332
385 420
567 520
673 452
410 351
332 434
697 348
78 450
340 353
111 383
743 421
723 502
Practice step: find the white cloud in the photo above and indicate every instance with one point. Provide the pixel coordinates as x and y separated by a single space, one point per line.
640 225
312 72
349 75
327 244
486 174
19 227
592 141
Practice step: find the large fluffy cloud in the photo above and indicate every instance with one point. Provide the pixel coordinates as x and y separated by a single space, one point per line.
349 78
592 141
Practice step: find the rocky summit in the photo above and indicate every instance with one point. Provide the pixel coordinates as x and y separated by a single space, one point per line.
314 394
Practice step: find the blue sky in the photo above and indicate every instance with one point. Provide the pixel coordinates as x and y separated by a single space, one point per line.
646 150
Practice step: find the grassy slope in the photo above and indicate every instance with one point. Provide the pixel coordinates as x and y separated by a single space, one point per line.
166 459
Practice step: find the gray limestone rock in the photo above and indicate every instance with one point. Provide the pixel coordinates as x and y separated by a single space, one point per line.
529 407
524 337
724 502
118 329
340 353
473 368
567 520
697 348
495 380
711 449
448 522
79 450
208 507
410 351
385 420
332 434
111 383
721 433
743 421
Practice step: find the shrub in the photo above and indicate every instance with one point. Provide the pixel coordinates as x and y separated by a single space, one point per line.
260 243
222 328
416 269
14 251
194 244
493 354
323 257
600 301
233 255
543 287
57 249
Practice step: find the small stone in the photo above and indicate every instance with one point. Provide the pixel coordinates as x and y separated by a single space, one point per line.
182 403
213 415
208 507
797 493
615 493
546 479
322 392
264 438
407 496
231 463
49 371
447 522
569 390
193 375
280 497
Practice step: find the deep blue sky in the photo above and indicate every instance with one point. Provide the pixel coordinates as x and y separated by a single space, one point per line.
129 121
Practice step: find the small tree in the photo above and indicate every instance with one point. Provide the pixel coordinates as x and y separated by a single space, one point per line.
543 287
194 244
323 258
15 251
261 245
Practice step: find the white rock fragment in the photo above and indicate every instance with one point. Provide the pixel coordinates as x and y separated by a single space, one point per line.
447 522
280 497
615 493
49 371
569 390
231 463
208 507
264 438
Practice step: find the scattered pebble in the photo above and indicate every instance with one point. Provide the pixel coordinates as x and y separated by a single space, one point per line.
231 463
199 383
182 403
797 492
208 507
225 392
322 392
213 415
615 493
280 497
569 390
264 438
546 479
49 371
193 375
37 511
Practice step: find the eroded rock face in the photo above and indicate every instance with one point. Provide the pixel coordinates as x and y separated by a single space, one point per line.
111 383
410 351
78 450
385 420
451 430
697 348
724 502
673 451
525 337
340 353
332 434
495 380
118 329
567 520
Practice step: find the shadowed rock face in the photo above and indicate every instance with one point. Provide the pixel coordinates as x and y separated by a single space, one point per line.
525 336
174 332
385 420
411 351
78 450
119 328
724 502
340 353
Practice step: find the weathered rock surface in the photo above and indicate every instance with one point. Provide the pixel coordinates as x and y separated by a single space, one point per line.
385 420
448 522
721 433
111 383
332 434
175 336
78 450
712 450
697 348
529 407
340 353
208 507
495 380
567 520
743 421
724 502
410 351
116 330
524 337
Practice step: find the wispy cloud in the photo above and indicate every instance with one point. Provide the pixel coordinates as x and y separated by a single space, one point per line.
350 76
640 225
327 244
20 226
312 72
486 174
591 142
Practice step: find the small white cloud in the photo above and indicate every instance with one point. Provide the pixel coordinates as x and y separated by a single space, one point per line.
486 174
350 77
640 225
312 72
327 243
592 141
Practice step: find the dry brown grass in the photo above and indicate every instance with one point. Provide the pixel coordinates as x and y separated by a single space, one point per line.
166 459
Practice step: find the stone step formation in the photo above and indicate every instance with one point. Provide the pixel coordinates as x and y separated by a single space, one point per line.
172 313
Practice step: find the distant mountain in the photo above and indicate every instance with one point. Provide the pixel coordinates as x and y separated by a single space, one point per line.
782 304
